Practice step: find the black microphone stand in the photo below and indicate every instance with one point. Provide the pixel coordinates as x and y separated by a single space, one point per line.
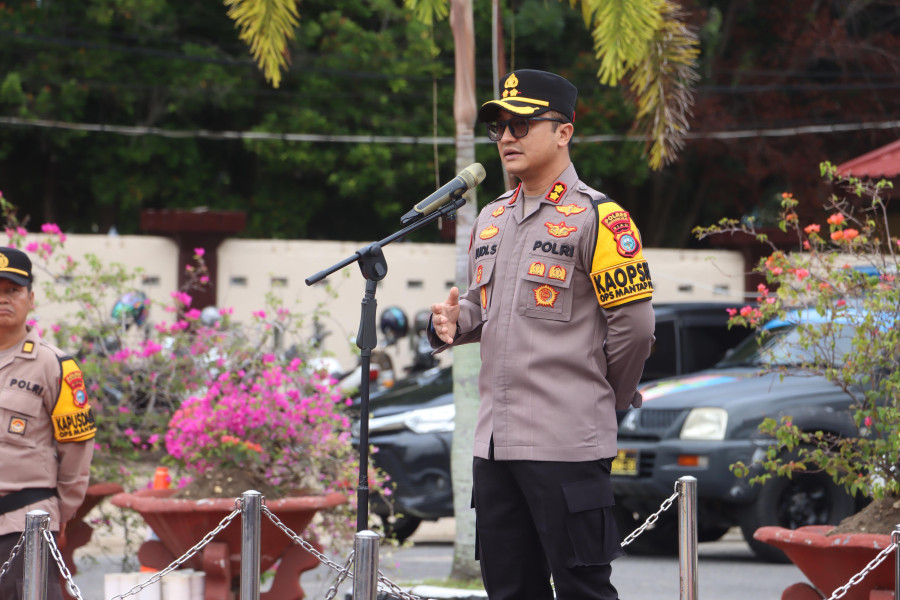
374 269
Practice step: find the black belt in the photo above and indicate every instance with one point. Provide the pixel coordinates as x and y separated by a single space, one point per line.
22 498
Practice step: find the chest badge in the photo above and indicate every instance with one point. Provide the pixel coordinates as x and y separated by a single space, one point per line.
478 273
17 425
556 192
557 272
498 211
571 209
483 298
537 268
489 232
560 229
545 295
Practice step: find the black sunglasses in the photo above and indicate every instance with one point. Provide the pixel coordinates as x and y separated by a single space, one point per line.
518 127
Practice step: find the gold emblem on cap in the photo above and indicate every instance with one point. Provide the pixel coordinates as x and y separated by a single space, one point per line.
511 83
4 262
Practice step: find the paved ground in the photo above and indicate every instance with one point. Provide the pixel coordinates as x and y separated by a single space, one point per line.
727 569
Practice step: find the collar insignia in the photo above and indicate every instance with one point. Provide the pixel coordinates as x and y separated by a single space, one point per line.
556 192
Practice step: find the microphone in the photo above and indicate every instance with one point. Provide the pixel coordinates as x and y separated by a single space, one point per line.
459 185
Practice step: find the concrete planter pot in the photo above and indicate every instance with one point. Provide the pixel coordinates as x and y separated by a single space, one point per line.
830 561
181 523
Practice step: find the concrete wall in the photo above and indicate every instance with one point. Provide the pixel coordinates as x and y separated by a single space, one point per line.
418 275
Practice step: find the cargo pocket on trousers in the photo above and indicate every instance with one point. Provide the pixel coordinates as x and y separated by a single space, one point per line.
590 522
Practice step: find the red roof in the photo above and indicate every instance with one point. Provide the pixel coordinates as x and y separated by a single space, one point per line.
881 162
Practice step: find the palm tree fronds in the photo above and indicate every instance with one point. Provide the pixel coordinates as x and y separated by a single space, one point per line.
428 11
266 26
663 86
623 30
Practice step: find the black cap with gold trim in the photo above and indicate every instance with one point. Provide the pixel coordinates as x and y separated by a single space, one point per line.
15 266
529 93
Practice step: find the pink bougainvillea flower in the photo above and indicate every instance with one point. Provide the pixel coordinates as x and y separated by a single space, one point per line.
199 252
836 219
812 228
837 236
850 233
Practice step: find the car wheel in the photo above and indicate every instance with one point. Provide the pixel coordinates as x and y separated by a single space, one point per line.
399 528
805 499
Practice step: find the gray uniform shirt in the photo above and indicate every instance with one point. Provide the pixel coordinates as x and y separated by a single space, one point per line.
555 363
46 431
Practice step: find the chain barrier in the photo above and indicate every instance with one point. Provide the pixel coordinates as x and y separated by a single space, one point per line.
63 569
667 503
73 588
873 564
344 572
12 556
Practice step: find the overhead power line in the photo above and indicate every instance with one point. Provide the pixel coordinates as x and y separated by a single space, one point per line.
444 140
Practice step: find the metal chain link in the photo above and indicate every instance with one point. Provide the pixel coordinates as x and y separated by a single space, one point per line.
306 545
393 589
12 556
184 557
63 569
841 591
333 590
667 503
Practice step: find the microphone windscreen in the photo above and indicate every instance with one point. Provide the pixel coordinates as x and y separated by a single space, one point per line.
472 175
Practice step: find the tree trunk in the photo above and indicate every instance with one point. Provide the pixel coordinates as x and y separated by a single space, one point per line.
466 359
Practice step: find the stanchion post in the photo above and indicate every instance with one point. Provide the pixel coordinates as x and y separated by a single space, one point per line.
687 536
36 521
895 539
365 565
251 503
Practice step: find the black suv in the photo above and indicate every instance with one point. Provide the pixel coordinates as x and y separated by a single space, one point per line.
700 424
411 424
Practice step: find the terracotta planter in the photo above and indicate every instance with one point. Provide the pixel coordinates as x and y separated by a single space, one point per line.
180 524
830 561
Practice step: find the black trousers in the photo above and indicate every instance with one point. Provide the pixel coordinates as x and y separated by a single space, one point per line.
13 583
537 519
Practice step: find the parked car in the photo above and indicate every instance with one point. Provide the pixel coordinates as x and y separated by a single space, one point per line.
700 424
411 424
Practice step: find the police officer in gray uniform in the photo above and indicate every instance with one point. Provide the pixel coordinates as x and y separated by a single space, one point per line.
559 298
46 426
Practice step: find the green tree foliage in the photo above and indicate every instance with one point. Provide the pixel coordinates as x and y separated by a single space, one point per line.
366 67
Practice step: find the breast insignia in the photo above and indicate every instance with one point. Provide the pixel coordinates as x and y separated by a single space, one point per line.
489 232
560 229
545 295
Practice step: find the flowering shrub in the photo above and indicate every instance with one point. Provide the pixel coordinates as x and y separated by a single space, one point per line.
285 429
845 271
